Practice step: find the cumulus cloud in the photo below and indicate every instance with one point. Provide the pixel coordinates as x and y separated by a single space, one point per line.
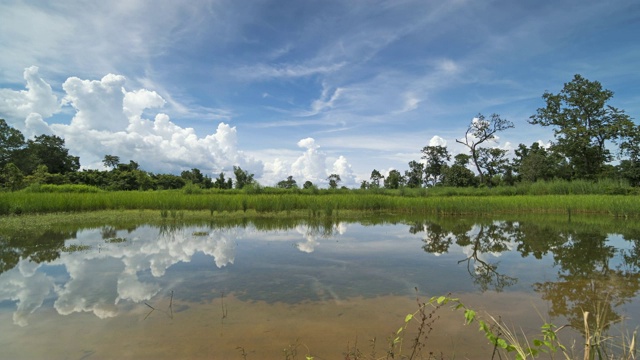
342 167
311 165
27 288
37 98
98 103
92 287
107 118
437 141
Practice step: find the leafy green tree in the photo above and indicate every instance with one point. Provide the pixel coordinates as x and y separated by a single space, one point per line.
11 141
307 185
334 179
289 183
131 166
375 178
479 131
436 157
47 150
394 180
111 161
222 183
196 177
458 175
537 163
494 161
582 124
101 179
11 178
168 181
629 168
415 174
243 178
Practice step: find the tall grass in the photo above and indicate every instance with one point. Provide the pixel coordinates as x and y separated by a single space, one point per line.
325 203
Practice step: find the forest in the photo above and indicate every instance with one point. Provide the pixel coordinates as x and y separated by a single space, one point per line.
593 141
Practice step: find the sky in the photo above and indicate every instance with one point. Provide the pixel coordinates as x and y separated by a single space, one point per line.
300 87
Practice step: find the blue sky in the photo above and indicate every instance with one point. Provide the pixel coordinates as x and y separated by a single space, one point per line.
302 88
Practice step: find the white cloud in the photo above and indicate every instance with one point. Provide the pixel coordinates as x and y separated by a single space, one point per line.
38 98
35 125
109 119
311 166
98 103
437 141
342 167
27 288
411 102
448 66
325 101
264 72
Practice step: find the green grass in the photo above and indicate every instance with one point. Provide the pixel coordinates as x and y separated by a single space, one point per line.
609 197
317 205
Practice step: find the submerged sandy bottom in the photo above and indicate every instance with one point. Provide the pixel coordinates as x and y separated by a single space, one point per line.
324 330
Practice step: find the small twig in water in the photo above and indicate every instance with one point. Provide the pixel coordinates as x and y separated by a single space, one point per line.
169 312
224 307
152 310
171 305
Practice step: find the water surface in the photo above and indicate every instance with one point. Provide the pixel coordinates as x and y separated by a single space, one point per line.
220 292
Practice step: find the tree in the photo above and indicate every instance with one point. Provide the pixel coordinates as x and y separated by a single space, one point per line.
437 157
537 163
334 179
493 160
629 169
11 141
414 175
196 177
243 178
375 178
168 181
131 166
48 150
394 180
307 185
481 130
11 177
221 183
111 161
458 174
289 183
582 124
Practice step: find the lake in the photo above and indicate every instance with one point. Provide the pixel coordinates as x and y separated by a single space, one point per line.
329 289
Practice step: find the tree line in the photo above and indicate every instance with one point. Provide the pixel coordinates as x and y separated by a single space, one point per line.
589 135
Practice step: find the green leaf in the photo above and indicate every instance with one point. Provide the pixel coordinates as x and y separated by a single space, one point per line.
408 318
537 342
442 299
399 330
469 315
503 344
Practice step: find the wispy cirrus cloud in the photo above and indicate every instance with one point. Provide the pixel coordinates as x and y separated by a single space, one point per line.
265 71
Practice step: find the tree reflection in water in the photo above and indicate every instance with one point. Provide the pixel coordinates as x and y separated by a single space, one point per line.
479 239
587 281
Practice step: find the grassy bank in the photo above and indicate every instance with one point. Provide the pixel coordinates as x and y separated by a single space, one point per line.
317 204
